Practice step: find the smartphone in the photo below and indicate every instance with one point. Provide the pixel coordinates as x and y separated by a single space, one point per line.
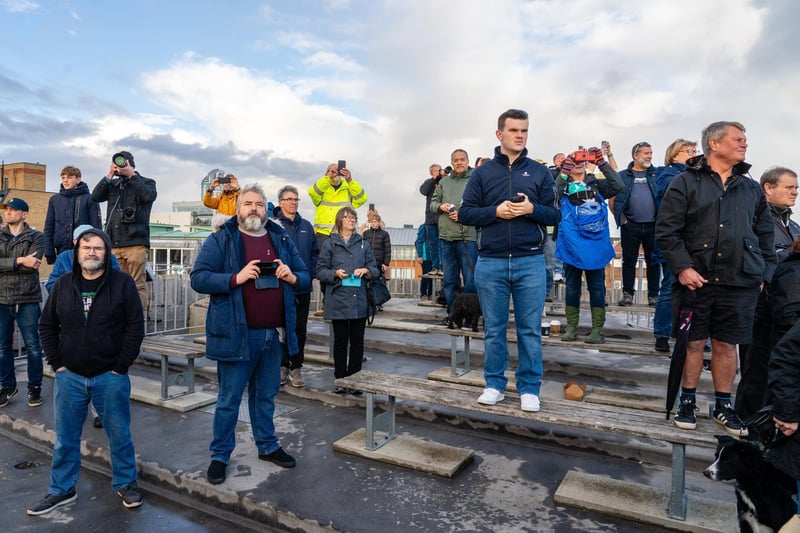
372 207
266 268
517 199
604 145
223 180
341 164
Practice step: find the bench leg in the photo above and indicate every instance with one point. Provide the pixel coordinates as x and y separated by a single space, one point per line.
383 422
190 377
459 357
677 498
164 377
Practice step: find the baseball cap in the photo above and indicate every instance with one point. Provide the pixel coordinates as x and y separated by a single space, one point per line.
16 203
79 230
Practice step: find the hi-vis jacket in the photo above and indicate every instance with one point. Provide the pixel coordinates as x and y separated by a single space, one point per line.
329 200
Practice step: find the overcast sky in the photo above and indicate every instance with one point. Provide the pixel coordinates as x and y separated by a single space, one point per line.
273 91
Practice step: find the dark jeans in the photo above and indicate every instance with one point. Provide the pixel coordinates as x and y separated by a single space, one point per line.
426 285
303 302
662 321
458 259
595 284
432 244
27 318
348 332
633 235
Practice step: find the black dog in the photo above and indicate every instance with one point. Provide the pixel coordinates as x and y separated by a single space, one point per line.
763 493
466 309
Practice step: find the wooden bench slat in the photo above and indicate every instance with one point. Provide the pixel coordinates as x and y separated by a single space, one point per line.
623 420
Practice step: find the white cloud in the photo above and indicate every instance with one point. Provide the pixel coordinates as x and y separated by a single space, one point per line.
332 61
19 6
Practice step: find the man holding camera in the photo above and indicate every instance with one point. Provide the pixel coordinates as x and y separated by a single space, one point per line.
225 203
334 190
457 241
635 213
130 198
253 268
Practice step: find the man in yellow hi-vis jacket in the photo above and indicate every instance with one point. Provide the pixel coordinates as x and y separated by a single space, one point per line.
329 194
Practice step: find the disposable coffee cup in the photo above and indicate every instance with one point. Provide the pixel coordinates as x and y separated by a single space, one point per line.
555 327
545 330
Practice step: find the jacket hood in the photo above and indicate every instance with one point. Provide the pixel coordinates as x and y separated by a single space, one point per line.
699 162
76 267
79 189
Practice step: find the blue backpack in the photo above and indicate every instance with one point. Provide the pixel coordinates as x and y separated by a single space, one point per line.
584 239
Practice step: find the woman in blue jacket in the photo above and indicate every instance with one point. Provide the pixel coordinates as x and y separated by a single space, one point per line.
584 248
344 266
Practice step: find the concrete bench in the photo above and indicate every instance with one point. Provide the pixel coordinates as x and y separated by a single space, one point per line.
602 418
167 347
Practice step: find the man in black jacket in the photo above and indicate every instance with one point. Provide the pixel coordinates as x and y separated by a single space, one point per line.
21 252
130 197
91 328
71 207
716 233
432 219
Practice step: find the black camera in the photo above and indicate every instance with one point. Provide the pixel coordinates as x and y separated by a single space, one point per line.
452 209
223 180
448 169
120 160
128 215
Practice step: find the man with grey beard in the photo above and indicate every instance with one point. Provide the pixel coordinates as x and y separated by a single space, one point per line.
94 302
253 268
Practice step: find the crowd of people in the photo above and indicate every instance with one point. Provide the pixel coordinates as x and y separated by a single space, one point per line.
505 230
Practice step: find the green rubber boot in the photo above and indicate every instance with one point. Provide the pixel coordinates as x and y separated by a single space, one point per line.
598 321
573 316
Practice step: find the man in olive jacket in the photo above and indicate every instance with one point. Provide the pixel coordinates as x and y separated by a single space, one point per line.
458 248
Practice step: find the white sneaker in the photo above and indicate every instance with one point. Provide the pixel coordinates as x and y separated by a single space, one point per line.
490 397
557 277
530 402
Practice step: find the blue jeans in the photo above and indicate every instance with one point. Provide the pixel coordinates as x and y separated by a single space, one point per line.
595 284
498 280
27 317
633 235
261 374
662 321
110 394
458 260
432 245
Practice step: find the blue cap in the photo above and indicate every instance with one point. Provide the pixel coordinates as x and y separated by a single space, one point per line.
79 230
16 203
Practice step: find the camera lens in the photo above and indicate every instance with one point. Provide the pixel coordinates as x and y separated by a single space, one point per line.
119 160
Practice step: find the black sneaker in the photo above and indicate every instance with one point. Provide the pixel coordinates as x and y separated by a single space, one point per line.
216 472
97 422
686 417
662 344
727 418
444 322
279 457
6 393
706 365
131 497
627 299
35 397
51 501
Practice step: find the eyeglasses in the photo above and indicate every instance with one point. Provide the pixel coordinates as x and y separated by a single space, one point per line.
690 151
349 217
290 200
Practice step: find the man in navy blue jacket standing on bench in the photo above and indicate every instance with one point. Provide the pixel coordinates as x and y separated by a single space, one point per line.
511 201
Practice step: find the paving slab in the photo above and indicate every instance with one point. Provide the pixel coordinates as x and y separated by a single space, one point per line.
643 503
408 452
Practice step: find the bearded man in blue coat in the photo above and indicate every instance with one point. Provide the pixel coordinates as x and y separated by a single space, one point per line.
251 269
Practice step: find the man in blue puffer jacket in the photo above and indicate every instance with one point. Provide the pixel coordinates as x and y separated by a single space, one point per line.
511 201
251 268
